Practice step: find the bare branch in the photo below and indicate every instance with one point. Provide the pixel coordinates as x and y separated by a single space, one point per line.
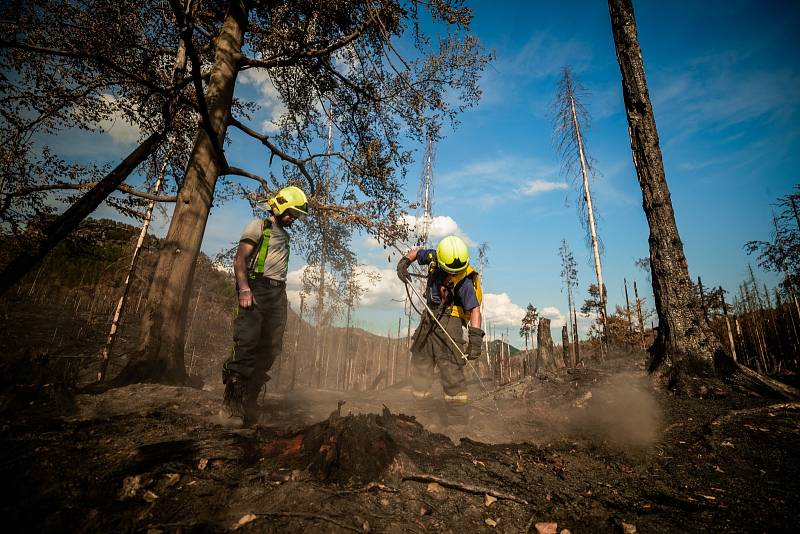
186 35
88 185
241 172
300 164
313 53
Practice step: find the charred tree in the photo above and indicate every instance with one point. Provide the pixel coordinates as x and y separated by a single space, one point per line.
569 276
545 357
683 335
639 314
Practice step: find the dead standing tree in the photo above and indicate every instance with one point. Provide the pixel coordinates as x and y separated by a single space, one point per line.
527 330
569 275
483 262
122 302
570 121
683 334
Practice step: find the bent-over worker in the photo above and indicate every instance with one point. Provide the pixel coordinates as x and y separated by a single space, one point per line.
453 294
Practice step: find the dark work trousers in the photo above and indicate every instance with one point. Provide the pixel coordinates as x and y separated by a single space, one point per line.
432 348
258 334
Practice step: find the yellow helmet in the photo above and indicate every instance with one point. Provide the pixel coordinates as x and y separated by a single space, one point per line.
291 199
452 254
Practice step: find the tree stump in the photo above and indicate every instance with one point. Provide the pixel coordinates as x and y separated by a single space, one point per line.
353 448
544 352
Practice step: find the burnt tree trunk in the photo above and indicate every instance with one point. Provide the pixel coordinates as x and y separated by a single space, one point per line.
576 342
160 354
565 346
683 335
544 353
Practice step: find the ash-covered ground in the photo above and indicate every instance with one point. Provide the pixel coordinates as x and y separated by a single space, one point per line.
589 450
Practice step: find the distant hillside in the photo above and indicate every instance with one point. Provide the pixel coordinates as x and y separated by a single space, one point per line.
495 345
64 309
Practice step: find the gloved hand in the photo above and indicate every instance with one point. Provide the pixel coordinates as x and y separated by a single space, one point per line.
475 342
402 270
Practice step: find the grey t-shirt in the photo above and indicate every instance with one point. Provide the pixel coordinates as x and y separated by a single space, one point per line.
276 263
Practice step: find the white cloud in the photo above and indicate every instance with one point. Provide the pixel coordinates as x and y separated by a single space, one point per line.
557 319
498 180
440 226
369 241
500 310
383 289
120 130
536 186
270 101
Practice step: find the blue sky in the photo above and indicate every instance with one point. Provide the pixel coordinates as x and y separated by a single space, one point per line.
724 78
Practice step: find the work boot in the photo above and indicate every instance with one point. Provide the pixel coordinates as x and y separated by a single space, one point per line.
457 409
232 413
252 410
426 410
422 403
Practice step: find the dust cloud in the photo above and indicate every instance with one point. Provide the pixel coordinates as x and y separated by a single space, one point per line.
621 410
617 409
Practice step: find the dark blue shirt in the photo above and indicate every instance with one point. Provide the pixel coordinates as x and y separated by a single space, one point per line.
464 293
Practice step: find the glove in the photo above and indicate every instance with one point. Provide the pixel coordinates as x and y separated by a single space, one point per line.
475 342
402 270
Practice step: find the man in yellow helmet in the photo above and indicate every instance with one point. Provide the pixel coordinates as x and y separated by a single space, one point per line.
260 267
453 294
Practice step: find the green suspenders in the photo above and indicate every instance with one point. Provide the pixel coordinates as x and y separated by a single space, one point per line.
262 251
258 261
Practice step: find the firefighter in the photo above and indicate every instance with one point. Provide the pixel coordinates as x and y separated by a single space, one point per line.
260 268
453 295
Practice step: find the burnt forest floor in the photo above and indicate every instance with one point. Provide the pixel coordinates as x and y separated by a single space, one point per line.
593 450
